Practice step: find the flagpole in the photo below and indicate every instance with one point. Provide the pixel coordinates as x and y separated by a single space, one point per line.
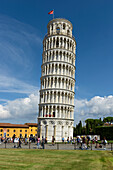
53 13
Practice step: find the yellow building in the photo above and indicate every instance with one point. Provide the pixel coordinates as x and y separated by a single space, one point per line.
19 130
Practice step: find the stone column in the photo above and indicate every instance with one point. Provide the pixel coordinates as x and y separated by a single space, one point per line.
49 43
46 44
46 130
63 42
68 130
52 43
55 41
51 111
40 132
43 98
49 96
66 43
60 111
55 132
56 115
48 112
64 112
56 97
53 82
42 112
55 55
44 83
62 131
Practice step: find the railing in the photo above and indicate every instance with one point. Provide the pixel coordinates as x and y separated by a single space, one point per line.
58 146
65 34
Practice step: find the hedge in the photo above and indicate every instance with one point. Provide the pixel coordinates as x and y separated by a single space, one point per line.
106 132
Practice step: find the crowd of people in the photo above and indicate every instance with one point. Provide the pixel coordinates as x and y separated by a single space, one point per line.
83 142
17 141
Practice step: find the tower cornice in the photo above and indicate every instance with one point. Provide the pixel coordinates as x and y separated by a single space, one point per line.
59 20
57 75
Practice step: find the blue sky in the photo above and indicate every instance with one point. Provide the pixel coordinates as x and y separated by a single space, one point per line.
23 24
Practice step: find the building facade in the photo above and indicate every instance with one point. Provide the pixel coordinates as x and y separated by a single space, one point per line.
19 130
56 106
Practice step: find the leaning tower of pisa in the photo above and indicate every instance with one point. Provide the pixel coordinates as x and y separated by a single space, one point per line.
56 106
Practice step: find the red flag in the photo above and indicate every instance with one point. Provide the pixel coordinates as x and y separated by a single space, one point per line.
51 12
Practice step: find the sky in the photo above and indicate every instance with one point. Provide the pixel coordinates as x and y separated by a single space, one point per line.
23 25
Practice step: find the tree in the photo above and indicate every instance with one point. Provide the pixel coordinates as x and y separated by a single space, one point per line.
87 127
108 119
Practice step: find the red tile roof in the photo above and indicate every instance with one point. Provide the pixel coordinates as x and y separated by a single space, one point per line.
9 125
31 124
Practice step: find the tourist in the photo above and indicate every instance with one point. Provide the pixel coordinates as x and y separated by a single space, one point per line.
78 140
46 140
104 143
38 142
68 140
53 139
88 141
96 140
63 139
26 141
16 140
71 140
19 143
84 143
43 141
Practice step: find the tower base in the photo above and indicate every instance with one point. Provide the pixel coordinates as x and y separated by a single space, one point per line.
59 128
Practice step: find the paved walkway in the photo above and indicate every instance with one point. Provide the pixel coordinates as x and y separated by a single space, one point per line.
55 146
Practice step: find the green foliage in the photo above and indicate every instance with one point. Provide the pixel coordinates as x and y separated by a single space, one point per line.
106 132
108 119
91 127
91 124
94 127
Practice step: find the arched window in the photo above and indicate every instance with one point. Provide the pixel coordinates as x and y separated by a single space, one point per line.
68 32
57 42
57 30
64 26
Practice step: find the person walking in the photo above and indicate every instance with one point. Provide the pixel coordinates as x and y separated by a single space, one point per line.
68 140
88 141
38 142
53 139
71 140
84 143
96 140
43 141
104 143
46 140
63 139
19 143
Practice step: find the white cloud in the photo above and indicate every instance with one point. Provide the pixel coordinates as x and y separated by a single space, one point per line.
20 109
4 112
96 107
26 109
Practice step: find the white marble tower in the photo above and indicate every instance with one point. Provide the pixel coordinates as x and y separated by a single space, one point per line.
56 107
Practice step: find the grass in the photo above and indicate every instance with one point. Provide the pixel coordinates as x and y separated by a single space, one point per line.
55 159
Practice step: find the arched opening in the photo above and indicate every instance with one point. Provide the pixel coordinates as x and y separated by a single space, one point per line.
57 30
64 26
68 32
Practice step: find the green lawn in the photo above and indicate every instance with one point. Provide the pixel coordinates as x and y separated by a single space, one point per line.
19 159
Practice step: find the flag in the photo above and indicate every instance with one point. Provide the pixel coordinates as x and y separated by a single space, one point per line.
51 12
